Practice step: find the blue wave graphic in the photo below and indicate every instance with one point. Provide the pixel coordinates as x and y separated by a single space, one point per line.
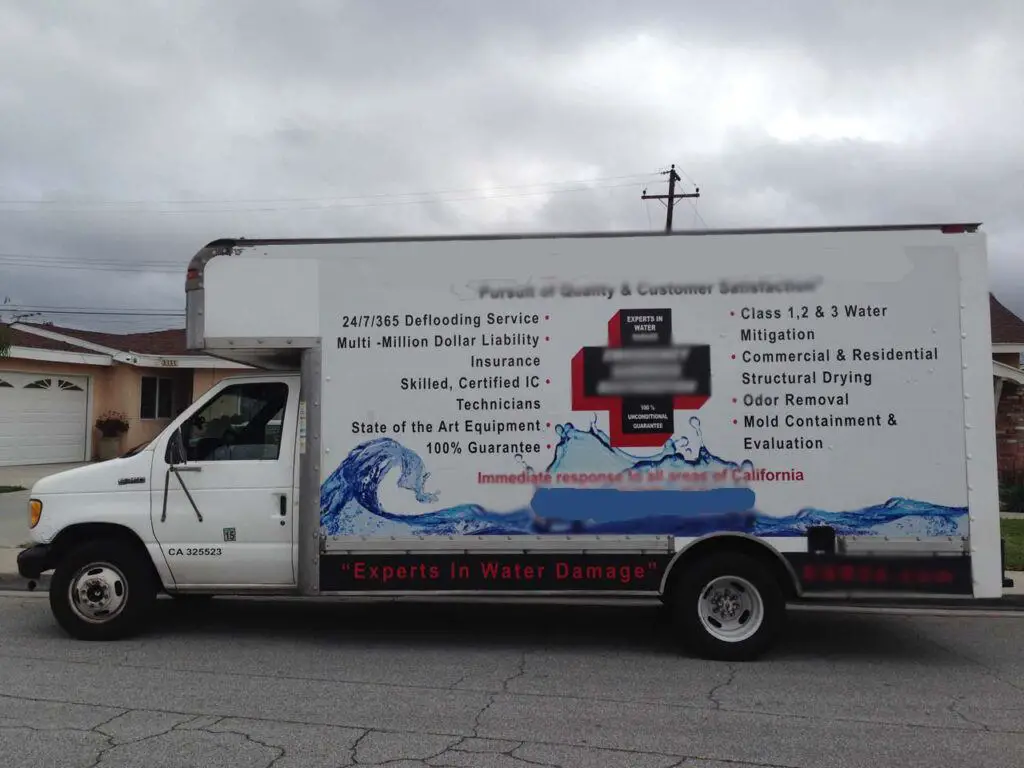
896 517
350 502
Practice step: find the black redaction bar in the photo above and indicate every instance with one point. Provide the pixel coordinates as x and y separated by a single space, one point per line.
927 575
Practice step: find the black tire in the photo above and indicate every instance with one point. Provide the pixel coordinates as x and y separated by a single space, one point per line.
748 587
125 582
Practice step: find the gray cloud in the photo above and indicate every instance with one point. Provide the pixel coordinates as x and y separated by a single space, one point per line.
785 113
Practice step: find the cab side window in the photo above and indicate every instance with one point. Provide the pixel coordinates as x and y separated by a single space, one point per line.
242 423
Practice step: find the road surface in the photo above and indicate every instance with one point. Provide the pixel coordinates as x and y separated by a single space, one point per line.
278 683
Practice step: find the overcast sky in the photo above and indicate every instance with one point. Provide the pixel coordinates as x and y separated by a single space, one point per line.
132 133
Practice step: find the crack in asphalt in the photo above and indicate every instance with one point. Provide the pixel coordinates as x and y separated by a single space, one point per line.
560 696
493 697
491 701
185 726
954 708
353 758
733 670
958 654
460 739
518 672
282 752
679 760
107 737
462 678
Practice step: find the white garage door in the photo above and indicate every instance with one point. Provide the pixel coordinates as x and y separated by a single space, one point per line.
42 418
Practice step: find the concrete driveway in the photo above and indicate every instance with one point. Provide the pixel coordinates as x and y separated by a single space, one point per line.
13 529
13 519
27 475
14 509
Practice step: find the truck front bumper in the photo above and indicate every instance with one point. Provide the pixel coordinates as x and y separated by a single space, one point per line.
34 560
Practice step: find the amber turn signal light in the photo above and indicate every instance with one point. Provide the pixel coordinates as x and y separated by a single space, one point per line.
35 511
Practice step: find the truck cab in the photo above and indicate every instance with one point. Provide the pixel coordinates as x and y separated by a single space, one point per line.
208 506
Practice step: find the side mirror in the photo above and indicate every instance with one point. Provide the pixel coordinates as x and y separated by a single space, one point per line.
176 453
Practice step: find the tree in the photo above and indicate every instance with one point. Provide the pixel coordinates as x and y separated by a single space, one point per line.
5 332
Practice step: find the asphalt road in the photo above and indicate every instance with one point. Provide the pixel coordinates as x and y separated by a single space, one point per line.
278 683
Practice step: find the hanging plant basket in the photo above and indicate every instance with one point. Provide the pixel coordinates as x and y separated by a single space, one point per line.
112 424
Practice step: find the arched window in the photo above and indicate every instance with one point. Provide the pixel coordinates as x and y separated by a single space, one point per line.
54 384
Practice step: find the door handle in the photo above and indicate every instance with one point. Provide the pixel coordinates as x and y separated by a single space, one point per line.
186 468
282 499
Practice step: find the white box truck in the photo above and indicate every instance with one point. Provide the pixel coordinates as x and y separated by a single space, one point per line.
729 421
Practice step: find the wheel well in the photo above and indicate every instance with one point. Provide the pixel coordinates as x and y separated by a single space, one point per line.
730 543
73 535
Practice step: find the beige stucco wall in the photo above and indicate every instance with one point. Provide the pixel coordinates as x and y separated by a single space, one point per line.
204 378
40 366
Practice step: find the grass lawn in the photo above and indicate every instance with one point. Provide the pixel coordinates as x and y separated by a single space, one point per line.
10 488
1013 532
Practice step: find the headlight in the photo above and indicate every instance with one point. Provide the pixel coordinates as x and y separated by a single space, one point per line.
35 511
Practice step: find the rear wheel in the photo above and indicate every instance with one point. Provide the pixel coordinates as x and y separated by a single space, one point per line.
102 590
727 606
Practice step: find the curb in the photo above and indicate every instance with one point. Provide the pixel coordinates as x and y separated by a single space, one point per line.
13 582
1006 603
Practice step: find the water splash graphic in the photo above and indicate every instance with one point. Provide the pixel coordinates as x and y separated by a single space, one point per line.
350 501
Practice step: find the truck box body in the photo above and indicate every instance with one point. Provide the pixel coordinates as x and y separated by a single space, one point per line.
722 419
629 394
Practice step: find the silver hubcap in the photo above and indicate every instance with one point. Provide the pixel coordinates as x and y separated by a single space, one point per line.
731 609
98 592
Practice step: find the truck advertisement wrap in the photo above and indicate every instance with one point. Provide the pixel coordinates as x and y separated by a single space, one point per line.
643 386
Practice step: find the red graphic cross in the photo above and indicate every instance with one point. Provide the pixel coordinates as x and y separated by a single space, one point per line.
613 405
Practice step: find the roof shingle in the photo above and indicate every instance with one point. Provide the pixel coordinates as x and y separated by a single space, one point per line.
166 343
1007 328
24 339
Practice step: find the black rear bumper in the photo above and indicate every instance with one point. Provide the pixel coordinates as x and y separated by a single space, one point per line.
34 560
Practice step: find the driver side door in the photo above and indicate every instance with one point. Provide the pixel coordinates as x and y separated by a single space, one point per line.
223 512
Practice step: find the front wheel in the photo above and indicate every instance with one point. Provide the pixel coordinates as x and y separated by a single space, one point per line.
728 607
102 590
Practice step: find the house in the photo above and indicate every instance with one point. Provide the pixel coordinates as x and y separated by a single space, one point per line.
56 382
1007 348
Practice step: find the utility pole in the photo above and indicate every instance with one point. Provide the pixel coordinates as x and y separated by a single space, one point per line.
671 197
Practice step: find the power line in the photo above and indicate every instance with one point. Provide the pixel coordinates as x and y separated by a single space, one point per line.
151 267
194 201
698 214
97 312
327 206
